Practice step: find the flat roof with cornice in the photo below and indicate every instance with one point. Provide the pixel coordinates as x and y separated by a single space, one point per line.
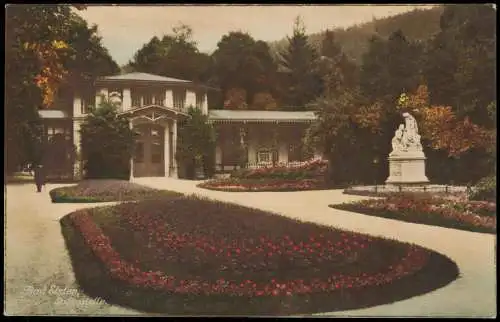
260 116
145 77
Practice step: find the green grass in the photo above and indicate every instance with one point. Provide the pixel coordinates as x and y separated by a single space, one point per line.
96 281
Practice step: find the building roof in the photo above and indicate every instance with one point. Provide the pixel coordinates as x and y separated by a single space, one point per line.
145 77
52 114
260 116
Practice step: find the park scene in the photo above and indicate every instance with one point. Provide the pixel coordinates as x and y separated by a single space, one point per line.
159 162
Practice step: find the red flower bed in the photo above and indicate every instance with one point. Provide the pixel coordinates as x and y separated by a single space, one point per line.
244 185
453 213
244 263
311 169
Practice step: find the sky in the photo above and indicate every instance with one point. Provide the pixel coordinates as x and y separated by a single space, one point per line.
125 29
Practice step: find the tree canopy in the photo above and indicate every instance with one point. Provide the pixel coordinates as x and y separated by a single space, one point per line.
43 53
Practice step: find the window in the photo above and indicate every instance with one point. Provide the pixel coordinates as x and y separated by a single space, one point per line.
179 99
264 156
200 100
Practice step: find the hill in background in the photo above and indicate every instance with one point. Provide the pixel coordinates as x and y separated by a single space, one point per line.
417 25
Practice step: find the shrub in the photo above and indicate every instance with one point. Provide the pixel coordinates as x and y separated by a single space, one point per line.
196 145
107 144
485 189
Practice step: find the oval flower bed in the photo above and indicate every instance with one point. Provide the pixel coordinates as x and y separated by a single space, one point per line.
478 216
106 190
245 185
220 253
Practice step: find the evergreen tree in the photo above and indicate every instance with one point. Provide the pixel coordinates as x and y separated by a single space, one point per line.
303 84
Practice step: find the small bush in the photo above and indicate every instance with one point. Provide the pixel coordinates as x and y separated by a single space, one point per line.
485 189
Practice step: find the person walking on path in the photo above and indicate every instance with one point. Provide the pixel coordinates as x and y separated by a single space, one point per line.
39 177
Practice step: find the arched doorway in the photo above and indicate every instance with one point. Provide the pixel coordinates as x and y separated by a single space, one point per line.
149 154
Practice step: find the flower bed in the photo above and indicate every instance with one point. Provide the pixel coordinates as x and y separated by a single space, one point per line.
479 216
227 251
312 169
104 191
245 185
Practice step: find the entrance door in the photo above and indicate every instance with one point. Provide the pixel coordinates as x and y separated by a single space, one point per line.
149 151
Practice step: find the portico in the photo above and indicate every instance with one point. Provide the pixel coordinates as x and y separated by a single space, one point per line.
154 152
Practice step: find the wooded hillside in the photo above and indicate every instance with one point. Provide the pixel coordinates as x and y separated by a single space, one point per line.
417 25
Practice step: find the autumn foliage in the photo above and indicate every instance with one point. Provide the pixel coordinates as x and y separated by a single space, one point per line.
443 128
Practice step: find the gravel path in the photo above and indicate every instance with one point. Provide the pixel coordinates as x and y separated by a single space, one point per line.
473 294
39 279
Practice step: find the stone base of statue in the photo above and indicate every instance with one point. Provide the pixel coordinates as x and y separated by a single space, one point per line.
407 168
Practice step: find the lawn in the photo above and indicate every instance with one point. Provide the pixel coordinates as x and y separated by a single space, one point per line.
429 209
106 190
196 256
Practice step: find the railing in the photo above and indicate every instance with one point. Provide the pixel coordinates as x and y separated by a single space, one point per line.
231 167
391 188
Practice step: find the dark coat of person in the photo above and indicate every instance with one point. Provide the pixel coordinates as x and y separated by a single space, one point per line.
39 175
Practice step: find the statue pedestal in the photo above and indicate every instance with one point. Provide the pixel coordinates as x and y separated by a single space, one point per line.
407 168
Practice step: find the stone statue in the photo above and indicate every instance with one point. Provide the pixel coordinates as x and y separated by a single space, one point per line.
411 138
406 137
407 159
397 140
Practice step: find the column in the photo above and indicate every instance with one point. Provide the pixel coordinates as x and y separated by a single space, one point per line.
218 156
131 126
77 106
190 99
126 100
166 152
252 151
204 106
282 152
174 148
77 167
169 98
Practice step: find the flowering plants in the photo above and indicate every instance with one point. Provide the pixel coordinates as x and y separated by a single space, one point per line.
169 250
236 184
447 212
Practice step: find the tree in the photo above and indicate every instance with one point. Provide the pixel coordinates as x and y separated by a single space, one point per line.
461 61
175 55
41 44
451 139
107 143
196 144
390 67
264 101
242 62
298 60
236 99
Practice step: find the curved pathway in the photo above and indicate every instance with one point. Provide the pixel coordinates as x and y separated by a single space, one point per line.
39 279
473 294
